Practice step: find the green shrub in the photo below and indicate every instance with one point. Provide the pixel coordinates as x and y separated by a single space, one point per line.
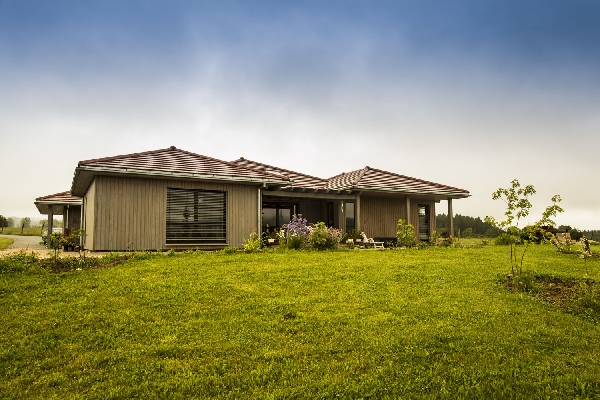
323 238
505 240
253 243
229 250
405 233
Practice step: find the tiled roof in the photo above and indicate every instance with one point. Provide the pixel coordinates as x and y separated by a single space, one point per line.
296 179
183 164
175 160
376 179
56 202
62 197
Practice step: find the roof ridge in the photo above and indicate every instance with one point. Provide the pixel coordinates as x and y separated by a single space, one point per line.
181 151
120 156
418 180
361 174
279 168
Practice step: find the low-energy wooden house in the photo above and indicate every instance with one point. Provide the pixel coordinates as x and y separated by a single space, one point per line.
174 199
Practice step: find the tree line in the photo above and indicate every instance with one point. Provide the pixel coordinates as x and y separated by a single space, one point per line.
465 226
11 222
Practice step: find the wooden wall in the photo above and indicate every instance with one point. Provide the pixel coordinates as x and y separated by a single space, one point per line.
130 213
313 211
89 213
379 215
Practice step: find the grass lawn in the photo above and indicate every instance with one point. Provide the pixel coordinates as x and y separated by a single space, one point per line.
5 242
431 323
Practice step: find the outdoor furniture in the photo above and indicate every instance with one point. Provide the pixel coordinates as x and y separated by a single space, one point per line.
372 243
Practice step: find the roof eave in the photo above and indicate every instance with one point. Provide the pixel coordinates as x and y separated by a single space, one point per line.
450 194
163 174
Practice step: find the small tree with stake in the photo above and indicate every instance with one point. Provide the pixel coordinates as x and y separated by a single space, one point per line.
517 207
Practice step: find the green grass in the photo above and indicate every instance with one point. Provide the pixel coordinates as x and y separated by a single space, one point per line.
5 242
33 231
432 323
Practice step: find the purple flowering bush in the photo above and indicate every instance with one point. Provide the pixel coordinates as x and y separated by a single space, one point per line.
296 233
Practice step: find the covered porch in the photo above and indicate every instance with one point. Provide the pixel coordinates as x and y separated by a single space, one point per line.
375 214
65 205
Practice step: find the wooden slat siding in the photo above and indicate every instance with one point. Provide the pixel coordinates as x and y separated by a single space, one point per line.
379 215
312 211
133 211
90 216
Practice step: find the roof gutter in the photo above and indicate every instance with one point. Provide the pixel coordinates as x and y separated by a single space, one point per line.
414 191
167 174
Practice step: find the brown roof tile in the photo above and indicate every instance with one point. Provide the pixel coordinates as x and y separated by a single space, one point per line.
296 179
62 197
376 179
175 160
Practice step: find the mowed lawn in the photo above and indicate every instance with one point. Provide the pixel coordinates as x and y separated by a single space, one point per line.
431 323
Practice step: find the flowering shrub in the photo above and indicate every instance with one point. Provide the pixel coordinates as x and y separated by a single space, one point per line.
296 233
323 238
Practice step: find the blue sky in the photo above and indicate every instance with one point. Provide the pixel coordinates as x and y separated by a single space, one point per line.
467 93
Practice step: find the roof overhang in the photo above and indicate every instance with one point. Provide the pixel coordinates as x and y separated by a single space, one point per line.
84 175
425 194
44 207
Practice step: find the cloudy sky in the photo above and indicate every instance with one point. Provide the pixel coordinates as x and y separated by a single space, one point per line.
470 93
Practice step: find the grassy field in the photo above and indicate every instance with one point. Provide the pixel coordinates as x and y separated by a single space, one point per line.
431 323
5 242
33 231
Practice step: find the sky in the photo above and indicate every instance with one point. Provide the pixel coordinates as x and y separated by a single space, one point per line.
471 94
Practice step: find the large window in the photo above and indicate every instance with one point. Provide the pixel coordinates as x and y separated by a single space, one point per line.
275 215
196 217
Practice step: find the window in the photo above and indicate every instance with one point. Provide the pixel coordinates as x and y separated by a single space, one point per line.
350 216
423 222
275 215
196 216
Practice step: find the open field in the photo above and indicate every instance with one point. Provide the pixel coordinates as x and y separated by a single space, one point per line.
33 231
431 323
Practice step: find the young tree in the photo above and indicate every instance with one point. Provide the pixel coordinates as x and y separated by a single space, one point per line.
26 222
518 207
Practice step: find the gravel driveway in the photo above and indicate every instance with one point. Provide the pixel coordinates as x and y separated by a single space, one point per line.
25 242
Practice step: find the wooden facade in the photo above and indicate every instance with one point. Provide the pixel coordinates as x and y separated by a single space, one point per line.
126 207
130 213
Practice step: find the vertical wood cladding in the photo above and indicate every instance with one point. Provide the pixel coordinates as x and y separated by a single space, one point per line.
89 216
379 215
131 212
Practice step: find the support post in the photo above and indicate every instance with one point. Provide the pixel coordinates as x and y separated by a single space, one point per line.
50 224
450 219
357 213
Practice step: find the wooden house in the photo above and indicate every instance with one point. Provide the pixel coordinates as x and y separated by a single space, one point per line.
174 199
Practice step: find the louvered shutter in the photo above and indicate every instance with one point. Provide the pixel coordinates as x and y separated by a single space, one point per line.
196 216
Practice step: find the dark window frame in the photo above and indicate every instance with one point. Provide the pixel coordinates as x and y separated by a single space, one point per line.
196 217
